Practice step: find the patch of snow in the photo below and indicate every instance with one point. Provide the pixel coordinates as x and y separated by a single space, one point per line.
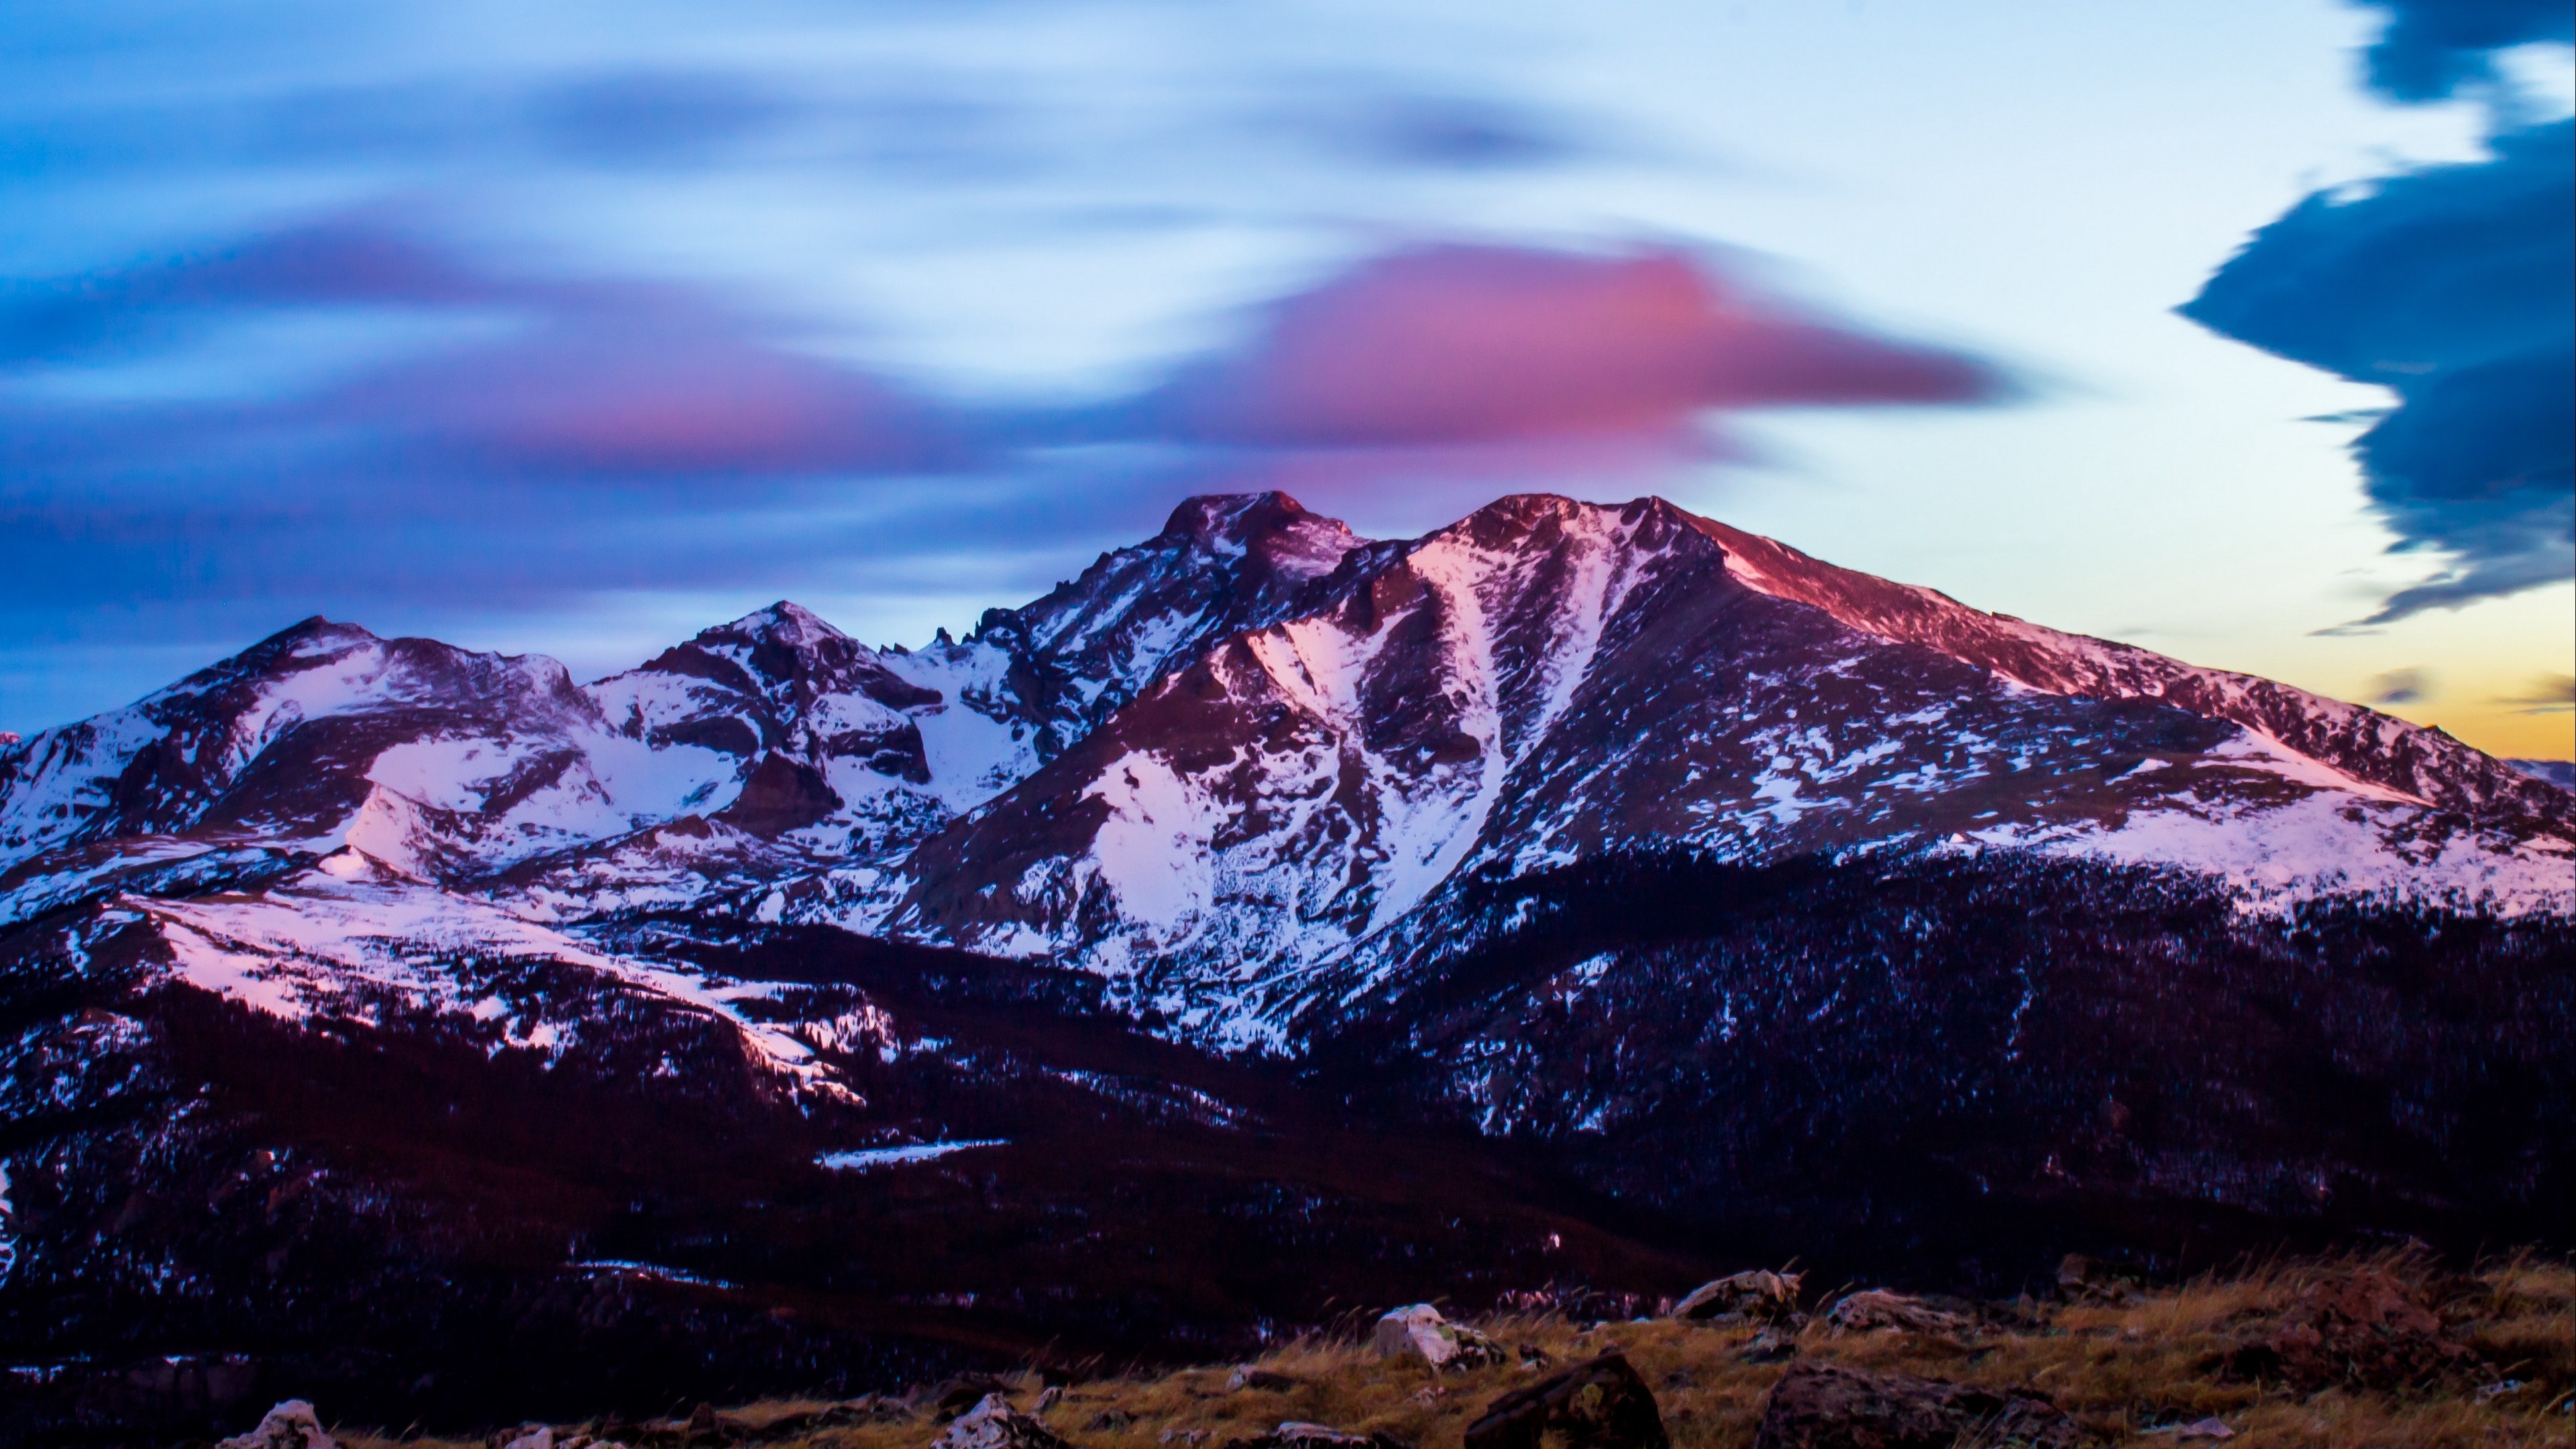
645 1270
1152 850
2326 843
875 1157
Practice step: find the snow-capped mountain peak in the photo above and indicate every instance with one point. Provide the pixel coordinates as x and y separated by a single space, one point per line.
285 740
1549 681
1221 565
1258 743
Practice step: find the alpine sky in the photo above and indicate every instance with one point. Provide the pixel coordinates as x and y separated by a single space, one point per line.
2239 330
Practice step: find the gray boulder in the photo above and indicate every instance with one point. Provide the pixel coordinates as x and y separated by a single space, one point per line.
290 1425
1877 1308
994 1424
1419 1330
1759 1296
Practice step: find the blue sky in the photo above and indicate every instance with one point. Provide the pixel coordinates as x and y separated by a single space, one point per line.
575 327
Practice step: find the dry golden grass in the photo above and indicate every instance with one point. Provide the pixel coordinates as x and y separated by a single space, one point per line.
2118 1366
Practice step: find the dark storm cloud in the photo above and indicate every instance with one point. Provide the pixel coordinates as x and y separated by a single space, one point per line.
2432 48
2455 286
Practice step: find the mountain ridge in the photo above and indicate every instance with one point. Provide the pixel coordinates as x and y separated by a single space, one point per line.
1265 921
817 766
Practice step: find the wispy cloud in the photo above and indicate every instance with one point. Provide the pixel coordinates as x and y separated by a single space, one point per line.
2399 686
547 437
2545 694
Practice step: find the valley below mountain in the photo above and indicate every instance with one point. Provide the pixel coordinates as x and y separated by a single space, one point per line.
1270 925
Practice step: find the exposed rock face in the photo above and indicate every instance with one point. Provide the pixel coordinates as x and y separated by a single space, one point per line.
1221 566
291 1425
994 1424
1822 1406
1421 1331
1599 1404
1758 1296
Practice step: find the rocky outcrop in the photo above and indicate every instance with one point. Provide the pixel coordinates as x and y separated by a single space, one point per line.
1759 1296
1876 1309
2362 1329
994 1424
1599 1404
1821 1406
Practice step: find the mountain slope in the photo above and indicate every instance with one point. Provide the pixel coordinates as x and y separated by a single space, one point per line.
1569 894
2363 743
1547 680
441 761
1254 757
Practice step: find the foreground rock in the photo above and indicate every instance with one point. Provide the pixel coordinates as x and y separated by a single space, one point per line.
994 1424
955 1396
1419 1330
1876 1309
2364 1329
1820 1406
1759 1296
291 1425
1248 1377
1298 1435
1599 1404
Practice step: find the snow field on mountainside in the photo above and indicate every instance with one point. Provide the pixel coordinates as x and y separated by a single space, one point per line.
326 947
2320 846
1342 779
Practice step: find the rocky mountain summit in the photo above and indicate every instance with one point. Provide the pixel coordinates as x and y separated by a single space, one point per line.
1257 738
1269 917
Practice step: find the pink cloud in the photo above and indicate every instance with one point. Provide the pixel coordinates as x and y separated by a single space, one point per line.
1469 344
584 375
643 382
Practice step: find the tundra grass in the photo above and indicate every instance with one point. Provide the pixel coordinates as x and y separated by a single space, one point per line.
2125 1367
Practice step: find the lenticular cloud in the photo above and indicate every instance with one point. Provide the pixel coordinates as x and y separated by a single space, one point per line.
2450 286
1463 345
